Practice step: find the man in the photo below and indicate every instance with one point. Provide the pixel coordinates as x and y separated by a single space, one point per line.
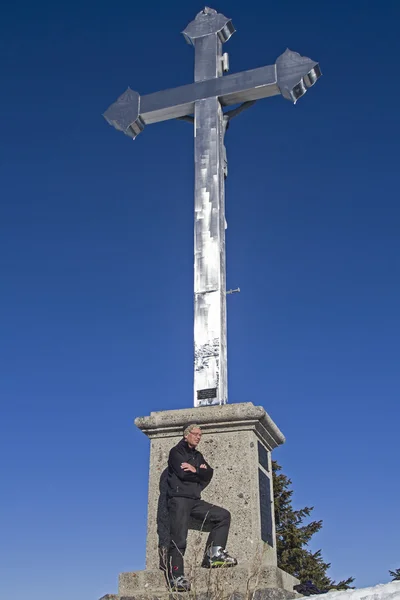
188 475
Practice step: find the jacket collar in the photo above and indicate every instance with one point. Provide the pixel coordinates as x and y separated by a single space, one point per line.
185 445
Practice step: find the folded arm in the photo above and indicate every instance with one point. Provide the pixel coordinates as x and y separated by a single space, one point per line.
175 462
205 472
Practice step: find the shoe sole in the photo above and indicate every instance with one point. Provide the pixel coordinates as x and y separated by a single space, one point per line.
221 565
179 589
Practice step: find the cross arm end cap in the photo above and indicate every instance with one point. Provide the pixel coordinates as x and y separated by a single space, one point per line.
124 114
208 22
296 74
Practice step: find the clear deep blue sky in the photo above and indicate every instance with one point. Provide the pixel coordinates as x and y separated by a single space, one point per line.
96 255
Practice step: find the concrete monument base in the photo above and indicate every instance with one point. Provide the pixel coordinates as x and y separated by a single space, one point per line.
237 442
216 584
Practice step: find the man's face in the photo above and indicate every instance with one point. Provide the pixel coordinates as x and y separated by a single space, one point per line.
194 437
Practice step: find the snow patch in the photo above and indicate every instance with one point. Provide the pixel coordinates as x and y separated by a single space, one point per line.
384 591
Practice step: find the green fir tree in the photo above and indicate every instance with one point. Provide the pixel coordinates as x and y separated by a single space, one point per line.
395 575
293 536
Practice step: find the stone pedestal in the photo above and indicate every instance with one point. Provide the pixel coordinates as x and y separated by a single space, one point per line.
237 442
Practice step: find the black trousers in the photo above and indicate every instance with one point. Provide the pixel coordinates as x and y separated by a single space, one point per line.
180 511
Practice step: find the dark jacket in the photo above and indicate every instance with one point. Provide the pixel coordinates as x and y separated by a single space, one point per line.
182 483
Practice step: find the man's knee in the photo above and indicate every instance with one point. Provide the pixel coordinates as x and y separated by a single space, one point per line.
224 515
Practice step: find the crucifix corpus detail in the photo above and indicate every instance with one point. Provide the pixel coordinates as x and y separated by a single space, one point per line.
202 103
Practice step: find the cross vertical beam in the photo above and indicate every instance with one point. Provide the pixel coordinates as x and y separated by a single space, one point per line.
210 343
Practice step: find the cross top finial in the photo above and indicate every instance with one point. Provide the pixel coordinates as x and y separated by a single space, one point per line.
206 11
209 22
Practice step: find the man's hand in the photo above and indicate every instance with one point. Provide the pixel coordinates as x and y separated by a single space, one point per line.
187 467
203 466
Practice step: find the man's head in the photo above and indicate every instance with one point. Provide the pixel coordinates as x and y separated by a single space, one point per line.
192 435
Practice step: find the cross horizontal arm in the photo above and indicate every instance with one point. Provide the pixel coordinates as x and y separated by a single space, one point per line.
291 76
131 112
231 89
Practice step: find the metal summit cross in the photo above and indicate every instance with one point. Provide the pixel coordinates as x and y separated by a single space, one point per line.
290 76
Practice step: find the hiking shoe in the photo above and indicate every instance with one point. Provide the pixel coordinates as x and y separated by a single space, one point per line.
179 584
219 558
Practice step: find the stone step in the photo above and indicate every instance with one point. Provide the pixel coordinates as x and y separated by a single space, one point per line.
215 582
259 594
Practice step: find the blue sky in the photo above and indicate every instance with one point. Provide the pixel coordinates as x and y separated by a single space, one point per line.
96 260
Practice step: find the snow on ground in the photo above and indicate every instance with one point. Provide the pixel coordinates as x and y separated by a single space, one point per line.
384 591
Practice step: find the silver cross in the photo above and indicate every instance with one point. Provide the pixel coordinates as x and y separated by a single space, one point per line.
290 76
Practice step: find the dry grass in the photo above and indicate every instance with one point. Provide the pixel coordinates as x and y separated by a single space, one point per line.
212 583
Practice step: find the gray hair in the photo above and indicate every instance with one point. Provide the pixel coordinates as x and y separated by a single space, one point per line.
190 428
